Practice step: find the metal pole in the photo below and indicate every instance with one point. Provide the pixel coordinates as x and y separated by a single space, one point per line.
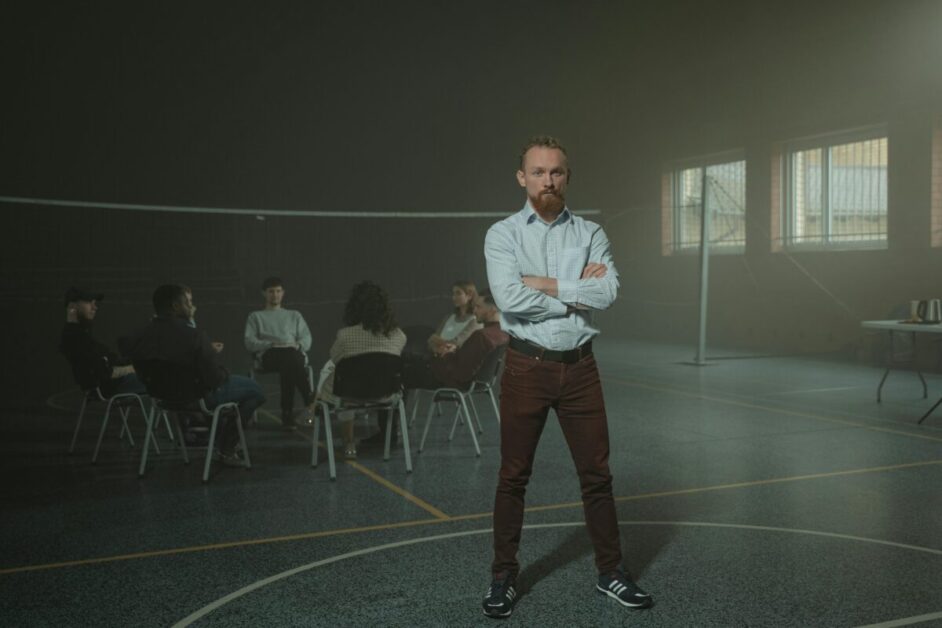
700 360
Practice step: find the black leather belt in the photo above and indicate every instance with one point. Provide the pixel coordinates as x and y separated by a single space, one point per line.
541 353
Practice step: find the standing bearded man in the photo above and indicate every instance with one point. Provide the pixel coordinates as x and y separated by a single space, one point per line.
548 270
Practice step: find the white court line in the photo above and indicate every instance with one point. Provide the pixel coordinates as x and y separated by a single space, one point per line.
189 619
906 621
22 200
813 390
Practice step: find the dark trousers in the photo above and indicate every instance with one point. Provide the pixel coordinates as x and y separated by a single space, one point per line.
248 394
529 388
289 364
417 373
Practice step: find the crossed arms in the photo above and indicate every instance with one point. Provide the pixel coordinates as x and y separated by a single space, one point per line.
535 298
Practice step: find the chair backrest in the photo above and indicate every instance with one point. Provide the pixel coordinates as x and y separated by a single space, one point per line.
487 372
416 339
170 382
368 376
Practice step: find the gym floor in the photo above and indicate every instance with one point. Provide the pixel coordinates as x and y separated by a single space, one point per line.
756 491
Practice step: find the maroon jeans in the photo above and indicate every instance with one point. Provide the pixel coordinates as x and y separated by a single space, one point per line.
529 388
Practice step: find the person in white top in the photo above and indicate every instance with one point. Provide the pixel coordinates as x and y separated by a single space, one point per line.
460 324
279 340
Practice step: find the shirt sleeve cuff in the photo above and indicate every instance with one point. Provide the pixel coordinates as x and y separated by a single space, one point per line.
567 290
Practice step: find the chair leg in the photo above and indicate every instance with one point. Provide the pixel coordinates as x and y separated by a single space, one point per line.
209 446
314 435
146 415
124 426
415 406
329 442
459 418
125 413
389 416
474 413
167 425
490 393
245 446
154 439
925 391
78 423
474 437
428 421
101 432
148 436
183 450
404 429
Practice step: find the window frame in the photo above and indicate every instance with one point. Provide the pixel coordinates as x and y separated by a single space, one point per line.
826 142
673 173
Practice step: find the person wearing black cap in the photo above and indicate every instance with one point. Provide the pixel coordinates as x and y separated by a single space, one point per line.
93 364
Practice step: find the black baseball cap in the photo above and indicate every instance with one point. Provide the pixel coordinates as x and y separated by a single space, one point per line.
80 294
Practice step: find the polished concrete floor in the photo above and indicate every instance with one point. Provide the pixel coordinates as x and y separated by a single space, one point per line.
757 491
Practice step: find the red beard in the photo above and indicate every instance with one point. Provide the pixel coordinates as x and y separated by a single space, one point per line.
548 202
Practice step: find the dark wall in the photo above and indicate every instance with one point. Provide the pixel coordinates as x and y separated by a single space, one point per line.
354 106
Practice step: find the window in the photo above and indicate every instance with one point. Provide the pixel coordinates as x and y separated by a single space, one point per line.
835 191
725 202
936 193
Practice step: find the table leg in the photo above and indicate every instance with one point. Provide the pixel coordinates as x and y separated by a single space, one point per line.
926 415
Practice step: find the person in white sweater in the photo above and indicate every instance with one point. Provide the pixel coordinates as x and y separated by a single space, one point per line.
279 339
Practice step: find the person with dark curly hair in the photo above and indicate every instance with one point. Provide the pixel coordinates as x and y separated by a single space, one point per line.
370 327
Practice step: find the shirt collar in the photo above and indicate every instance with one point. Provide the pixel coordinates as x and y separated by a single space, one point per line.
530 215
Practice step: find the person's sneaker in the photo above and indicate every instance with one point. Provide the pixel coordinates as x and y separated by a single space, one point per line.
620 588
232 459
500 598
306 417
196 436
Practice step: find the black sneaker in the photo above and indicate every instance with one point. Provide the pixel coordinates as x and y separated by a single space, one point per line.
620 588
500 598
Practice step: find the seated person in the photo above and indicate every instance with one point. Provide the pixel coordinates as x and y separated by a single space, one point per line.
460 324
217 346
457 369
169 337
370 328
93 364
280 339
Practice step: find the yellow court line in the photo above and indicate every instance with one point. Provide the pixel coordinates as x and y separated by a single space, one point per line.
726 487
755 406
424 505
438 514
219 546
456 518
